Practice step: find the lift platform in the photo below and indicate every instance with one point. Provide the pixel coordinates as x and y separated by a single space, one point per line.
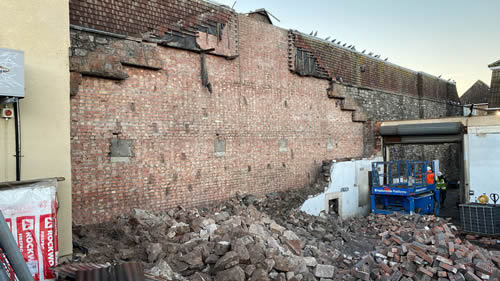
400 186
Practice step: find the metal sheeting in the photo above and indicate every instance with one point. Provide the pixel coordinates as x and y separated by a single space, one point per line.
428 129
131 271
70 269
120 272
180 40
423 139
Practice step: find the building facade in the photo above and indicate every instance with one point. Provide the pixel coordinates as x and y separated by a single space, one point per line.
45 111
188 102
494 99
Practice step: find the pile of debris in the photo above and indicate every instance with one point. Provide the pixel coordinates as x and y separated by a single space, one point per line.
234 242
251 238
327 232
424 248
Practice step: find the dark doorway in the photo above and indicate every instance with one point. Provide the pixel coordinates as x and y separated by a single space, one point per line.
333 206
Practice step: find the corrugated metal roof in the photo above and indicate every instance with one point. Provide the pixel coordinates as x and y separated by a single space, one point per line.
70 269
119 272
130 271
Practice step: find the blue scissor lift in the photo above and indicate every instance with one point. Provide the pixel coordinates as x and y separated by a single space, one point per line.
400 186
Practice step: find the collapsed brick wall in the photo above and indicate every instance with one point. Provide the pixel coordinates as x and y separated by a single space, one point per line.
218 113
262 129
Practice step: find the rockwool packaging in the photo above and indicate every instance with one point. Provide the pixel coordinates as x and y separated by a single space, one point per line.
30 211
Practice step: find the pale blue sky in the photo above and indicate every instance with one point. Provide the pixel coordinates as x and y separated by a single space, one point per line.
453 38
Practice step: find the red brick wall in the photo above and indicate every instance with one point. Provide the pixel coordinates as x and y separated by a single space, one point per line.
173 123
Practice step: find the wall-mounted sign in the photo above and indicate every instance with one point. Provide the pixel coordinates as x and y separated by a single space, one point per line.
11 73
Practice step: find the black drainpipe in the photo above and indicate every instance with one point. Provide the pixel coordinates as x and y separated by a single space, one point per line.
17 126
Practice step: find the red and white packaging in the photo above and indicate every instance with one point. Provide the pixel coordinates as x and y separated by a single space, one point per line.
3 259
48 244
8 268
30 211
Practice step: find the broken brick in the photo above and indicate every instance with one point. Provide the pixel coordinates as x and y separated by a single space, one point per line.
425 271
442 274
448 267
386 268
444 260
483 267
469 276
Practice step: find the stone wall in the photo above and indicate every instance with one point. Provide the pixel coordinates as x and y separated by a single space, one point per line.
383 106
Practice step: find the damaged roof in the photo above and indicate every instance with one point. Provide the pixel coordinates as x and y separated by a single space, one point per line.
324 59
477 93
135 18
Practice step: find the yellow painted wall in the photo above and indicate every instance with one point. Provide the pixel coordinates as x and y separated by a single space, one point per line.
41 30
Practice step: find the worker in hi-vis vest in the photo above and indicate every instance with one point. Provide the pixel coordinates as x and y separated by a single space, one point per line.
441 186
429 176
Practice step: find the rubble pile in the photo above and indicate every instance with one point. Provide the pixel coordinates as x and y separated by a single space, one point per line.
251 238
424 248
232 242
327 232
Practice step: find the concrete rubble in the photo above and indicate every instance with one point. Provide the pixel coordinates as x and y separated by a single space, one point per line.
251 238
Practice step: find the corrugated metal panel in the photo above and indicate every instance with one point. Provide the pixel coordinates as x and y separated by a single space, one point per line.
131 271
448 128
423 139
70 269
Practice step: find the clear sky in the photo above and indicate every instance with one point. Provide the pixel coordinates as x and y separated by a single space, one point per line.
453 38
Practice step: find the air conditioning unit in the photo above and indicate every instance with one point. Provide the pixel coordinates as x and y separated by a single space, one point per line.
11 73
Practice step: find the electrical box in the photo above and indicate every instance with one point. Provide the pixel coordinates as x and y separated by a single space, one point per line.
11 73
7 113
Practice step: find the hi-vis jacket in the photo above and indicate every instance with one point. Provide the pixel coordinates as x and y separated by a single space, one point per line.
440 184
